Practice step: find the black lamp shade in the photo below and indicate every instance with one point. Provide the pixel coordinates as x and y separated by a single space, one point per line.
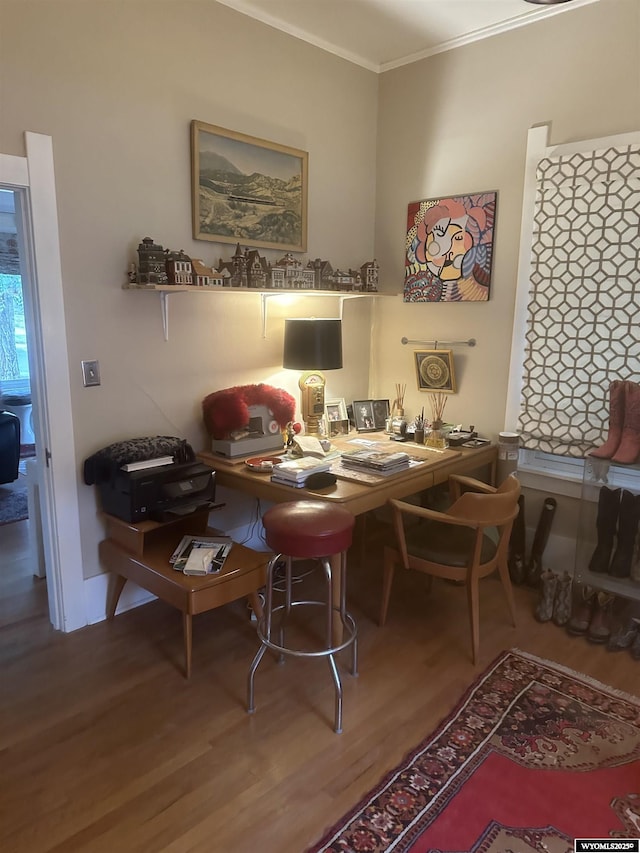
312 344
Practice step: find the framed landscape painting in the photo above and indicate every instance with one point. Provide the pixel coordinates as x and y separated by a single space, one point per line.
449 248
247 190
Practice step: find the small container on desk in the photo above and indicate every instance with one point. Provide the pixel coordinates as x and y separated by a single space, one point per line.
437 437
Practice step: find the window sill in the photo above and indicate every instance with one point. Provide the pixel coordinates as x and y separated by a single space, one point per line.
559 476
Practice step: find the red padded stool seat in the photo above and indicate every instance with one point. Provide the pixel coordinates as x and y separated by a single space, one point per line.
311 530
308 529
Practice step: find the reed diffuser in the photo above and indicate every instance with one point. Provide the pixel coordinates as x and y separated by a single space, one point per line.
437 438
398 424
398 404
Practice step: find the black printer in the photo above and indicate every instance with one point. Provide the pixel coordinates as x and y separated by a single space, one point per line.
158 493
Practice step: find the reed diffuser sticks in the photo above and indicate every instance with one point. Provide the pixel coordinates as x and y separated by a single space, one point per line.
398 403
437 439
438 402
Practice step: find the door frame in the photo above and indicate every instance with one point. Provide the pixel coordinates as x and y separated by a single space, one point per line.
33 180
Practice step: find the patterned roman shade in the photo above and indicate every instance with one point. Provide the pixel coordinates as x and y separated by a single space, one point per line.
584 301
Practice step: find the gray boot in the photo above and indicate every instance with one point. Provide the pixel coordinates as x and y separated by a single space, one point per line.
562 600
548 585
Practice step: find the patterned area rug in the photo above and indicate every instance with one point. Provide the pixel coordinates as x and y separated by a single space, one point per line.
533 756
13 502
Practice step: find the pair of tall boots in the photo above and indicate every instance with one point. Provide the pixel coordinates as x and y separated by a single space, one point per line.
530 571
623 440
616 523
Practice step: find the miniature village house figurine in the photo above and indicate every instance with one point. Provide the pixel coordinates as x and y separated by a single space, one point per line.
247 268
151 263
204 276
179 268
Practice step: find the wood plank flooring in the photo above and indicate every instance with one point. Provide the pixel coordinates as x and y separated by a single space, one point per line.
106 747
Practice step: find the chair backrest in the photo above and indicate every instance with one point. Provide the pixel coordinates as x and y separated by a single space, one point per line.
495 509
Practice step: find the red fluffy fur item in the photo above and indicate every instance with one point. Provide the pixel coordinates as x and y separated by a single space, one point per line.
228 410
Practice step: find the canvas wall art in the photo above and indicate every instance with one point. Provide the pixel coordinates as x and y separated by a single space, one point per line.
247 190
449 248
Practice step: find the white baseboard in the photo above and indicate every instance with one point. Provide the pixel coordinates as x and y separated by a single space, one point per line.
95 590
559 554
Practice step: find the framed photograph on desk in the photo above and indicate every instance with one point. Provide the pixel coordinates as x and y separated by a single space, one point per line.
363 415
335 410
337 428
380 413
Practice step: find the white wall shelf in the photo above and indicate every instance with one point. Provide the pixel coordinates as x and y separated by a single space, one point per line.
166 290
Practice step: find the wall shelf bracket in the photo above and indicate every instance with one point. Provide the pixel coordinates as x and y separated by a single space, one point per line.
348 296
164 307
264 301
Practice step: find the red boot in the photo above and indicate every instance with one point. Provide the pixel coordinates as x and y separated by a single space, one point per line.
628 450
617 396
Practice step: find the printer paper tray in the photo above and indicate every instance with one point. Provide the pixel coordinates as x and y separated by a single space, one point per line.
181 510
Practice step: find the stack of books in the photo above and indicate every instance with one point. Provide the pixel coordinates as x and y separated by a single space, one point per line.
376 461
294 472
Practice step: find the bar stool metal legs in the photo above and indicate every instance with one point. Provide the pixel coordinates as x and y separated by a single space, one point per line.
329 649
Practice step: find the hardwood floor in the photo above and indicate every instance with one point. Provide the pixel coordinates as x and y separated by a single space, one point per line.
106 747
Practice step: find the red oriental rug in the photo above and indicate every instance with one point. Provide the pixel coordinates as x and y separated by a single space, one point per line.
533 756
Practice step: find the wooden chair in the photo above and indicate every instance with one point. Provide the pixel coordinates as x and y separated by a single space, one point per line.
468 542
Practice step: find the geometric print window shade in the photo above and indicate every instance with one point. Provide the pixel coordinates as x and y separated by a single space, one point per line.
584 301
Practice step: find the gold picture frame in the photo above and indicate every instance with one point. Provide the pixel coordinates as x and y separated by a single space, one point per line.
435 370
247 190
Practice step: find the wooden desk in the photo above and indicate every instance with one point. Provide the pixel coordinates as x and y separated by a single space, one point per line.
359 497
140 553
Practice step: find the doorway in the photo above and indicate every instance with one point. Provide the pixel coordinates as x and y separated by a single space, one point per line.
31 179
22 570
15 384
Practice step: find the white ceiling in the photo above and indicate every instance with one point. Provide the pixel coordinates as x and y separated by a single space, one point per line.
384 34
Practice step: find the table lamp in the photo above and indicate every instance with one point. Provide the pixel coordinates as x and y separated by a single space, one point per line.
313 346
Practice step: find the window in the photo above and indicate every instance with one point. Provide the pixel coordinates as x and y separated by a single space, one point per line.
576 325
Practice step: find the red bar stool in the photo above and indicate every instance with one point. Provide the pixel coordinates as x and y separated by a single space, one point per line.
307 530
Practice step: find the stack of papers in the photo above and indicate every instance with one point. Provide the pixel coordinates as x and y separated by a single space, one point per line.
143 464
376 461
201 555
294 472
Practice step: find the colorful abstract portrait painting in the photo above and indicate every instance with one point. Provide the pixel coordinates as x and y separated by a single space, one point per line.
449 248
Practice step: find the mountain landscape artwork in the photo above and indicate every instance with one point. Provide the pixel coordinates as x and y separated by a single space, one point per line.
247 190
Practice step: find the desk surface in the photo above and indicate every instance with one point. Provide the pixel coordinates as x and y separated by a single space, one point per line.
358 497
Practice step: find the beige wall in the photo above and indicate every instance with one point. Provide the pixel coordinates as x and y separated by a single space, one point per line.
458 123
116 85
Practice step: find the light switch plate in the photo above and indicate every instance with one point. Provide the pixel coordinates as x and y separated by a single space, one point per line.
90 373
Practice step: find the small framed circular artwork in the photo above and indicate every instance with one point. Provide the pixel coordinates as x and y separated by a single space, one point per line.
435 370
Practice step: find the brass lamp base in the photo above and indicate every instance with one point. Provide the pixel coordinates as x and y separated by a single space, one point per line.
312 384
